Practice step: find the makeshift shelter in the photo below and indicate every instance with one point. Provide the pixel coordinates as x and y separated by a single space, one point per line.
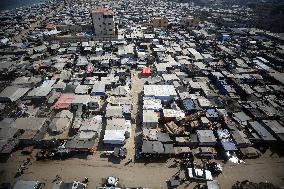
64 101
59 125
114 137
88 145
99 89
199 174
12 93
165 93
146 72
22 184
150 119
206 137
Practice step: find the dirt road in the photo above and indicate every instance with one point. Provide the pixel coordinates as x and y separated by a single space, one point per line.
152 175
137 86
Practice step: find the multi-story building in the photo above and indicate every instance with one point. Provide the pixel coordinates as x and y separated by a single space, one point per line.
160 22
189 22
103 22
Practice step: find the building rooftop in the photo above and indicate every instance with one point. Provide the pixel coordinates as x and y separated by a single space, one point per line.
104 10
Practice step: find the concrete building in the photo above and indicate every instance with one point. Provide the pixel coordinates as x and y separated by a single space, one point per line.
189 22
103 21
159 22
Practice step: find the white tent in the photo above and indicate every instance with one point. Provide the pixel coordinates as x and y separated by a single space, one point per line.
114 137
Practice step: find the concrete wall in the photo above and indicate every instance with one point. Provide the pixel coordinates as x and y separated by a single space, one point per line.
103 24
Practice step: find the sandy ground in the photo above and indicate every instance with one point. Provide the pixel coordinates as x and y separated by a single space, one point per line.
151 175
137 86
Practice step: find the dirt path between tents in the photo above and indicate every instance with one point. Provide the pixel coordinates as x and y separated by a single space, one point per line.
137 86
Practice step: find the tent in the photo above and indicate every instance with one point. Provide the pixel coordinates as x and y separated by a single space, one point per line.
146 72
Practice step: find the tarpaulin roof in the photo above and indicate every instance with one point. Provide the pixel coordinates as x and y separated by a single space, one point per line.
64 101
89 69
146 70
